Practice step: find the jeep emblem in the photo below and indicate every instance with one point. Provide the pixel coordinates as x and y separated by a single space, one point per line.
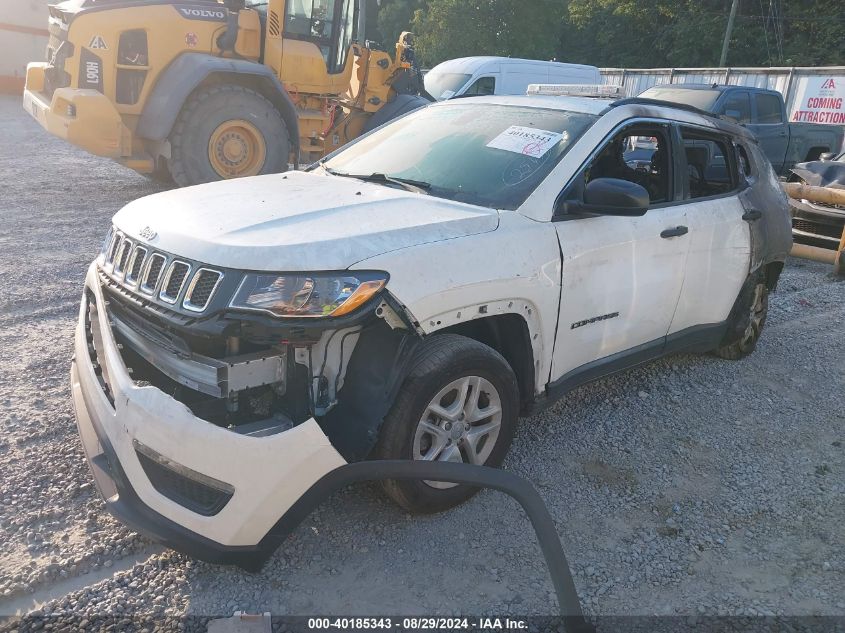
148 234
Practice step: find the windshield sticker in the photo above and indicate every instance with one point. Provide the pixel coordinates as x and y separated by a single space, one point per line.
527 141
521 169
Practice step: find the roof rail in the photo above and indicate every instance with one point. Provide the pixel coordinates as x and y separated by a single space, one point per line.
665 104
673 104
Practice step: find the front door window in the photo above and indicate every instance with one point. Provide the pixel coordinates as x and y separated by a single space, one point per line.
482 86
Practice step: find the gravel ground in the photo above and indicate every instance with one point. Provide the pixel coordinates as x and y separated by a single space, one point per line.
691 486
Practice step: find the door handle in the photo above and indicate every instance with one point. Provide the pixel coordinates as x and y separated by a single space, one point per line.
676 232
751 215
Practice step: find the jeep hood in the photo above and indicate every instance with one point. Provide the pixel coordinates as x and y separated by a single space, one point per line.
296 221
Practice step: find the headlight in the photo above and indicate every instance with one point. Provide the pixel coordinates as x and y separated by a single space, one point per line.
307 295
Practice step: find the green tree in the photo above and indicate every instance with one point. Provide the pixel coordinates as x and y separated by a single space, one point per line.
395 16
447 29
658 33
622 33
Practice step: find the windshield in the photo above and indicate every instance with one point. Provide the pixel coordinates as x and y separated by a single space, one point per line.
484 154
442 86
701 99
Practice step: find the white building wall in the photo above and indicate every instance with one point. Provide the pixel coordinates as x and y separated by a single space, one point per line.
23 38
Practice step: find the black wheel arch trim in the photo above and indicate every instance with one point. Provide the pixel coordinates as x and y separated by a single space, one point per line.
190 70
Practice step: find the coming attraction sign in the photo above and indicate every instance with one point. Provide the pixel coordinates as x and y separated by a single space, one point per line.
819 100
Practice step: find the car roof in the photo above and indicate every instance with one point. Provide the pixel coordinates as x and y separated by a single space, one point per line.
599 106
472 64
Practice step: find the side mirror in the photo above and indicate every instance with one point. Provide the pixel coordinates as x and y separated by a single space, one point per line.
826 156
612 196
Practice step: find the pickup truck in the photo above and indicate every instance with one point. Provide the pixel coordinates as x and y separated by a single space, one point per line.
763 112
407 298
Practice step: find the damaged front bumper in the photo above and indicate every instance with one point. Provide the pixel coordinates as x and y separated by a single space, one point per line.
202 489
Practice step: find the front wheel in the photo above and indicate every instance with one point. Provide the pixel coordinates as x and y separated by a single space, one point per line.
459 403
749 317
227 131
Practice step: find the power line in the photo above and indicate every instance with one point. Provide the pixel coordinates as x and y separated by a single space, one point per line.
780 18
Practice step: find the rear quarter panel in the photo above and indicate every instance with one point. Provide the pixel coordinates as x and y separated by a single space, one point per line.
771 236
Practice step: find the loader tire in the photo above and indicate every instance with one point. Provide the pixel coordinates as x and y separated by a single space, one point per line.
227 131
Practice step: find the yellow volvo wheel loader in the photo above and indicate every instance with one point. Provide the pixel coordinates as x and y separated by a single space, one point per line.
200 90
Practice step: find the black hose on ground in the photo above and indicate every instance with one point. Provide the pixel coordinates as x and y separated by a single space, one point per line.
468 474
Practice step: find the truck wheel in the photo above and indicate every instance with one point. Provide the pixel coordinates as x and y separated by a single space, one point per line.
227 131
459 403
747 319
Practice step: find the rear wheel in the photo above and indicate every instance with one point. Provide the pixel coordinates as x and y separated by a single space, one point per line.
749 317
459 403
227 131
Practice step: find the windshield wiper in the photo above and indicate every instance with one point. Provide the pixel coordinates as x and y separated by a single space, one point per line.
416 186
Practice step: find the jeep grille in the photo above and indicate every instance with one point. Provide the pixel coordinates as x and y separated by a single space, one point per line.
174 280
202 287
160 275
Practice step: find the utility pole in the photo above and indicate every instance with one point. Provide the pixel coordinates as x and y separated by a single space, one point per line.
728 32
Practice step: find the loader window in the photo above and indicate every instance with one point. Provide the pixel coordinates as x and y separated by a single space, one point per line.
346 32
330 24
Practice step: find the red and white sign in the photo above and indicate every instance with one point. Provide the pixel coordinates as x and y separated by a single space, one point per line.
819 100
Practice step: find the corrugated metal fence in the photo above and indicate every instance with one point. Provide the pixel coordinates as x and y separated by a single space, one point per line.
783 79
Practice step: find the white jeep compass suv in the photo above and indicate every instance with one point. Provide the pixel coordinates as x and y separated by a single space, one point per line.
409 297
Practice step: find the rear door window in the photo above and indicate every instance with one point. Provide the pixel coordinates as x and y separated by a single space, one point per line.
710 167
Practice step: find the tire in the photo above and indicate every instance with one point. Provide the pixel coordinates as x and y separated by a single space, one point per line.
442 365
227 131
747 319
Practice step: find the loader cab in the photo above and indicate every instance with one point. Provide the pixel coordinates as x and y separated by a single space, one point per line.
311 41
329 24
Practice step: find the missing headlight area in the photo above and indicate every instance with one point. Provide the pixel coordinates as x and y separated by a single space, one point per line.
252 373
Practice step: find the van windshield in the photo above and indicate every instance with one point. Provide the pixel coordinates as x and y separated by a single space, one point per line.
484 154
443 86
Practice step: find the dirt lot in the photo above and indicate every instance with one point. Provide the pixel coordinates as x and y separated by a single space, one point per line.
692 486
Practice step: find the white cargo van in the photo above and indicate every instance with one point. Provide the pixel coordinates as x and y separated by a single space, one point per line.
472 76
